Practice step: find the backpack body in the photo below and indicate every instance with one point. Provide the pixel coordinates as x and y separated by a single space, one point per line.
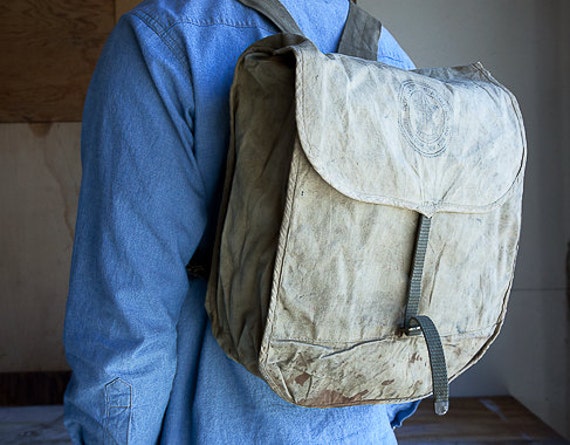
364 205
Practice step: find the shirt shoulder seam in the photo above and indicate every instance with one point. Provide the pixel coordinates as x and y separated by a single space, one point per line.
156 27
163 30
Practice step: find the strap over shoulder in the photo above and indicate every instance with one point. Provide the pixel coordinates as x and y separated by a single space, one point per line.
361 34
359 38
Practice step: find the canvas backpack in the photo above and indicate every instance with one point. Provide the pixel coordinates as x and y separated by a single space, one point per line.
369 222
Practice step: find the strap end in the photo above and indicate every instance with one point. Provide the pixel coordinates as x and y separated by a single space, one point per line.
441 407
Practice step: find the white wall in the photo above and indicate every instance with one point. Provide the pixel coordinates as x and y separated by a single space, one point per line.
525 44
564 54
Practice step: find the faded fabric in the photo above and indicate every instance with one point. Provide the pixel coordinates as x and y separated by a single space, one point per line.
146 368
342 162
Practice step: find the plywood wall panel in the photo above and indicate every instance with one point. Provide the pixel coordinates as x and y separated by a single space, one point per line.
39 183
48 52
122 6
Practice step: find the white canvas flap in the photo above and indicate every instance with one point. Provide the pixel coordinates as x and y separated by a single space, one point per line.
447 139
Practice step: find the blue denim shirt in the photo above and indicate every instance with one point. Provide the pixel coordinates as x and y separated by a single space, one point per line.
145 365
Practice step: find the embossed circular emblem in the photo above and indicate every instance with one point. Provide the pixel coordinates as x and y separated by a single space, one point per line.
424 117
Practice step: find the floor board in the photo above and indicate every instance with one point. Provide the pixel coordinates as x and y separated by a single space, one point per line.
470 421
477 421
33 425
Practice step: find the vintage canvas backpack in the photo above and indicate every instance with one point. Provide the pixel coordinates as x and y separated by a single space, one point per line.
369 221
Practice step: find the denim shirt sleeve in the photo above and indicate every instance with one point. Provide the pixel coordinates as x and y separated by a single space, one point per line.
391 53
140 218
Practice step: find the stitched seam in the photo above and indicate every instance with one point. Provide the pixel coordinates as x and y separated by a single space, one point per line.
161 33
393 59
332 343
206 24
162 30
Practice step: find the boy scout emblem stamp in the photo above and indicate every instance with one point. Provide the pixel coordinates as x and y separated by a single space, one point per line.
424 119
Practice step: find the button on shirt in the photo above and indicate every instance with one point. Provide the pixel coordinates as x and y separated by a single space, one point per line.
146 368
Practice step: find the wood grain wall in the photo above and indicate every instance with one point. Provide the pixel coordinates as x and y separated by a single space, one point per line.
48 52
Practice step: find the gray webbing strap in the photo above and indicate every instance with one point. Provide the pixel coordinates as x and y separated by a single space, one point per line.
361 34
415 284
415 324
440 385
276 13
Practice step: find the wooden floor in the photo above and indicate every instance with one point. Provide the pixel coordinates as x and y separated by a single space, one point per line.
477 421
470 421
33 425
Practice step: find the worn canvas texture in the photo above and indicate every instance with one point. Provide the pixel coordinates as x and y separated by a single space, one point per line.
332 160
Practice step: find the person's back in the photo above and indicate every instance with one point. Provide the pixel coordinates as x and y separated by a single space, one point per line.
145 365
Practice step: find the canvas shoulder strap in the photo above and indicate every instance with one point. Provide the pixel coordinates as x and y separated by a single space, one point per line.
361 34
359 38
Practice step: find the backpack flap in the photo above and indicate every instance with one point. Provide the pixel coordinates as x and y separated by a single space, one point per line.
377 147
439 140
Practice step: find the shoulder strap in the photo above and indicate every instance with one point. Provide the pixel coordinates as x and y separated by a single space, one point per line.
359 38
361 34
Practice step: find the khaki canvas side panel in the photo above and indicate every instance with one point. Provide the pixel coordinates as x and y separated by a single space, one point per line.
259 158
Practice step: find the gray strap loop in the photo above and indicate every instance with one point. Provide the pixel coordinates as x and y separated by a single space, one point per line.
439 381
276 13
361 34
